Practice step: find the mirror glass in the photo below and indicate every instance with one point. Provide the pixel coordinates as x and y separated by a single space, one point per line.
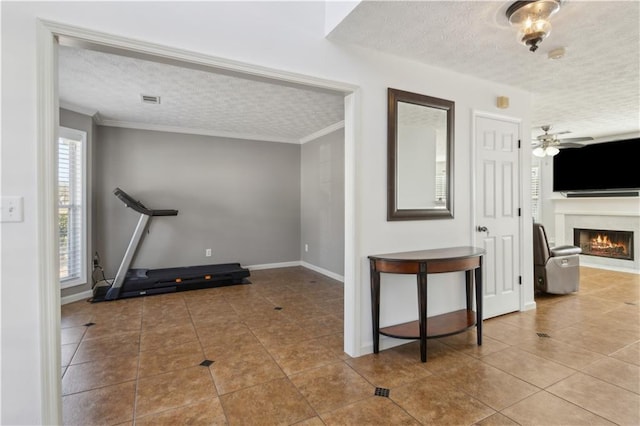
420 156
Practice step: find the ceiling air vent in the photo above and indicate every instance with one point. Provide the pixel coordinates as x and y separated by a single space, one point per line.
149 99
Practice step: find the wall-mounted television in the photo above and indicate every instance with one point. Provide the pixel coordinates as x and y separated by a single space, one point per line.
607 166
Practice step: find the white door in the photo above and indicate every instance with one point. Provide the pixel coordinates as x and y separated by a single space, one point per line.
497 211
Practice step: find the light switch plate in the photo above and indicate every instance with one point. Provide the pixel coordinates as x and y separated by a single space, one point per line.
12 209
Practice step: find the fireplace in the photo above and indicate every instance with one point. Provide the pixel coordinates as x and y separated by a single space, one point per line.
604 243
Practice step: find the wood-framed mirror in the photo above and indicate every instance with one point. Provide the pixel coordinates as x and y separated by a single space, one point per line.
420 140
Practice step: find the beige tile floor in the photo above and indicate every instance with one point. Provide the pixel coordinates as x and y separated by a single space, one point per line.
276 347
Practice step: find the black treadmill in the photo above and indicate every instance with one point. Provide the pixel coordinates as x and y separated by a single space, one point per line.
142 282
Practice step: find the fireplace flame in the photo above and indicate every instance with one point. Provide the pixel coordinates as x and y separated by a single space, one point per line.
602 242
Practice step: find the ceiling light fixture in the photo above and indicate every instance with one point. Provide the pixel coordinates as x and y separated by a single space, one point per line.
532 17
546 150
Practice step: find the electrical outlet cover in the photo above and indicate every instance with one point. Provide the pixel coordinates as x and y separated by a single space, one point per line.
12 209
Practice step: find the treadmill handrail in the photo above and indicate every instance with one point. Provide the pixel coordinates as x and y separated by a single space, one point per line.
139 207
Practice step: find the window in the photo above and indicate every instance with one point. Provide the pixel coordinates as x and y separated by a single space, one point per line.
72 206
441 188
535 193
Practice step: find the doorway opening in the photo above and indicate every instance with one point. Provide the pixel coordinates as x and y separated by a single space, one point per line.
48 130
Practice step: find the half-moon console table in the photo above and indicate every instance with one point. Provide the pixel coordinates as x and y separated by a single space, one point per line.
423 263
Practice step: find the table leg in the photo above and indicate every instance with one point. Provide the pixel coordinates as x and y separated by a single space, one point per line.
375 305
479 296
422 310
469 283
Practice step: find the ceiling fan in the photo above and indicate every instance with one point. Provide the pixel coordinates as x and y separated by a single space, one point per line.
550 144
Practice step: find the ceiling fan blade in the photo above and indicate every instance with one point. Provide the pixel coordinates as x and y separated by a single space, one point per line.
583 139
570 145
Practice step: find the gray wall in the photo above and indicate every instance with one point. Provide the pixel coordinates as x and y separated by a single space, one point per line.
240 198
322 181
74 120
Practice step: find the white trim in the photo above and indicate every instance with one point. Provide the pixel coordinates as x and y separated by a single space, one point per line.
529 306
79 109
73 282
329 129
322 271
273 265
294 263
47 217
48 109
196 58
352 278
384 343
75 297
208 132
190 131
629 213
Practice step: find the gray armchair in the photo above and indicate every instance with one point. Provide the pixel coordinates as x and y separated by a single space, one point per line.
556 270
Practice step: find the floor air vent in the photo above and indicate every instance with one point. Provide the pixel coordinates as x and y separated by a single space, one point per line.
382 392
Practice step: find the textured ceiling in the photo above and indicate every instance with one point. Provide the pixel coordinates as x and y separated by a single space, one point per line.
191 100
593 91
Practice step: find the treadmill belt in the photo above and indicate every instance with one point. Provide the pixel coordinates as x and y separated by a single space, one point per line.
185 278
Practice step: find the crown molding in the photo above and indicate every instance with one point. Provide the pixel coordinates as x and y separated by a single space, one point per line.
329 129
192 131
79 109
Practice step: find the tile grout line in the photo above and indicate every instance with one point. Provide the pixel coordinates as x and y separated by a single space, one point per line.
135 388
455 348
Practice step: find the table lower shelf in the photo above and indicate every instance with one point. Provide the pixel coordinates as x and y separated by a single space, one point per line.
437 326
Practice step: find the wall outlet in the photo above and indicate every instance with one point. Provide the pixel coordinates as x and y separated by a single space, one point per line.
306 247
207 252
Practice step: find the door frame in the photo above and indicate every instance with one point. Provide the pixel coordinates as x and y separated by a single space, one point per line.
475 114
48 33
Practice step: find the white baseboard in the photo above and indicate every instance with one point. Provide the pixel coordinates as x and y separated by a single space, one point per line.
75 297
529 306
386 342
297 263
322 271
273 265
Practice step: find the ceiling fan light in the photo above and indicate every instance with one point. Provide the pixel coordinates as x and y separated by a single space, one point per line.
551 151
539 152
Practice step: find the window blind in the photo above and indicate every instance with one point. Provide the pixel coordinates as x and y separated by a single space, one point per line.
70 208
535 193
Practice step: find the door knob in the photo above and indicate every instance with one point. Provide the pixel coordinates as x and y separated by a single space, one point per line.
482 229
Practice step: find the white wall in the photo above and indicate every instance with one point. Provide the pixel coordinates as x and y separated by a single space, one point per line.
285 36
546 195
322 203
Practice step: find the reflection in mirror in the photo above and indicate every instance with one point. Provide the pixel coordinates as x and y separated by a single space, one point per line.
420 157
421 136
